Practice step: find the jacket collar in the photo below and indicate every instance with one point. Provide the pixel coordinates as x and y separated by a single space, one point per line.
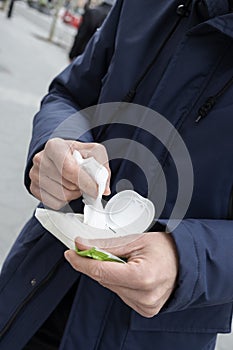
215 8
223 24
215 14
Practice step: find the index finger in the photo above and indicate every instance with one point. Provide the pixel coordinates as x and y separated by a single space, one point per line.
104 272
60 153
97 151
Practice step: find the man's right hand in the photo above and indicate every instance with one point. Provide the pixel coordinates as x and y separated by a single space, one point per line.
57 179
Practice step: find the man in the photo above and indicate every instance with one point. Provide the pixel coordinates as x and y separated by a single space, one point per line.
91 20
175 290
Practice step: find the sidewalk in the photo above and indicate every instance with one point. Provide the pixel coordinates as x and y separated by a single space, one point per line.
27 65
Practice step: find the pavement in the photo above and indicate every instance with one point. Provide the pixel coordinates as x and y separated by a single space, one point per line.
28 62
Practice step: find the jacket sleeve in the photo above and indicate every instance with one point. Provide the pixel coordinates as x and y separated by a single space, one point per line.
205 264
75 89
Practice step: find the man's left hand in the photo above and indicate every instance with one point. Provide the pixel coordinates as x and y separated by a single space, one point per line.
148 278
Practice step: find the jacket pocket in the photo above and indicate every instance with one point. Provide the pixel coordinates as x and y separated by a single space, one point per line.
215 319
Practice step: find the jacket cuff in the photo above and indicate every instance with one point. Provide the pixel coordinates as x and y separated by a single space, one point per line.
188 274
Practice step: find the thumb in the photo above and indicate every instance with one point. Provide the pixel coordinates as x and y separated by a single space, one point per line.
122 246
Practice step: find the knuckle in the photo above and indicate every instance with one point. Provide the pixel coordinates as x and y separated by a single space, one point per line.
35 191
31 173
146 282
99 152
75 265
67 169
34 176
97 273
37 158
50 143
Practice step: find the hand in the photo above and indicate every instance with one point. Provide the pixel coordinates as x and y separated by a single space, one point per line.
148 278
56 178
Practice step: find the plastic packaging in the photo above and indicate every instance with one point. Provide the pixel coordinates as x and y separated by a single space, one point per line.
125 217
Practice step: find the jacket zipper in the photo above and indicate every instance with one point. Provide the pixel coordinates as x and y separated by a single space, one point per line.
29 297
212 100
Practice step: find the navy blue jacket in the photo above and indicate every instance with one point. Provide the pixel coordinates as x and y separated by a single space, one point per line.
193 54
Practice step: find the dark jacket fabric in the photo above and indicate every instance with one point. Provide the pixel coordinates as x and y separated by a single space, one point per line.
91 20
192 52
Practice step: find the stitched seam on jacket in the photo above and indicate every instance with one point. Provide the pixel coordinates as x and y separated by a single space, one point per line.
222 27
198 263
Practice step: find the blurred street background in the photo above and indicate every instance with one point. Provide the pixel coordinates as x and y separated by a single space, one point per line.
34 46
28 62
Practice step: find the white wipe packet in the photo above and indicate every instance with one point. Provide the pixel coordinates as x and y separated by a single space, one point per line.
93 210
125 217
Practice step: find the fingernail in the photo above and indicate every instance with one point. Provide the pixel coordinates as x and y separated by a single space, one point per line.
67 256
107 192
